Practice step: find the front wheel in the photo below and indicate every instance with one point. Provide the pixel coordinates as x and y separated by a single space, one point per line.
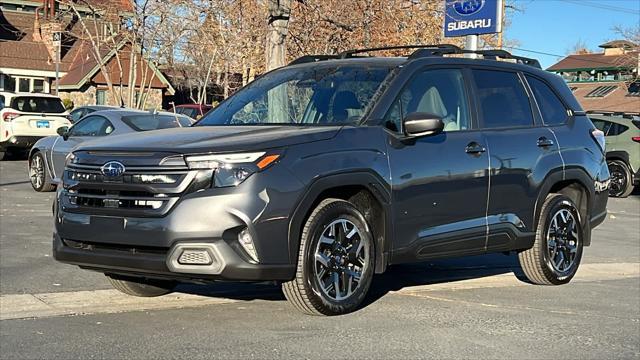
141 287
557 250
38 174
335 261
621 183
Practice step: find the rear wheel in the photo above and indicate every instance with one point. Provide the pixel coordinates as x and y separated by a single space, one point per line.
38 174
140 286
3 153
335 261
557 250
621 184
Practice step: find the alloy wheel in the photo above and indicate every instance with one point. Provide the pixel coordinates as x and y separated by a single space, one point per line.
562 240
341 257
618 178
36 172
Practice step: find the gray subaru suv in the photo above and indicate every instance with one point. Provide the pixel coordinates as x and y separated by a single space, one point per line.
322 173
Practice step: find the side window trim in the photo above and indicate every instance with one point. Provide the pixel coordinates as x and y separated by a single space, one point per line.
466 84
535 100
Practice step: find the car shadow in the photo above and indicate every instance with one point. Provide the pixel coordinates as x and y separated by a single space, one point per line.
395 278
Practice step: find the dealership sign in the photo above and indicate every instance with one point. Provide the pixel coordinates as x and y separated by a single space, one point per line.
472 17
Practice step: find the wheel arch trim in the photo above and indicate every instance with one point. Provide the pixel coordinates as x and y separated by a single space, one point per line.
364 178
572 175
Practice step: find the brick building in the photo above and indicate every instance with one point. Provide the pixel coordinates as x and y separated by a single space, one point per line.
605 81
27 55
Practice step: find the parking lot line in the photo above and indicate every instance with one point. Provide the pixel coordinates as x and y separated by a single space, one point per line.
20 306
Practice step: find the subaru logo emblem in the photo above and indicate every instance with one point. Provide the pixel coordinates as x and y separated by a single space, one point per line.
112 169
467 7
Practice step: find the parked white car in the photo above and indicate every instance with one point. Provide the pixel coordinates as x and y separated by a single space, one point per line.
27 117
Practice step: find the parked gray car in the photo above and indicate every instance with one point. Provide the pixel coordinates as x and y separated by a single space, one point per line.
47 157
82 111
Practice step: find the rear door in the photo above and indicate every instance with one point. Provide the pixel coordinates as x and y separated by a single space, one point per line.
439 182
87 128
521 153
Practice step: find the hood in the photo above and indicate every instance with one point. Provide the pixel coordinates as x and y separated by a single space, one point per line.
212 139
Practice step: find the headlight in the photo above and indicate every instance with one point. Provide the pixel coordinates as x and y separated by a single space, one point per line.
232 169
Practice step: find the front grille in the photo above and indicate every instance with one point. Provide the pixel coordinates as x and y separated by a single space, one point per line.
139 191
94 246
122 199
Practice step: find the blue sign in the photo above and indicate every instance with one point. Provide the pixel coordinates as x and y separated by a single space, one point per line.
472 17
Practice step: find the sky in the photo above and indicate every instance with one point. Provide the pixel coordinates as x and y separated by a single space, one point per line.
554 26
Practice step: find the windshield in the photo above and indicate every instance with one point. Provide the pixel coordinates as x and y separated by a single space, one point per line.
156 122
35 104
312 96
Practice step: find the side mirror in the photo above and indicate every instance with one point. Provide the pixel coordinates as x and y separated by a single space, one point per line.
63 131
422 124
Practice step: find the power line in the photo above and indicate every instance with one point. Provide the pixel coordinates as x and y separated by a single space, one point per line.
534 51
602 6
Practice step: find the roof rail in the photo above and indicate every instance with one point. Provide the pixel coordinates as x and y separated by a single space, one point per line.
350 53
424 51
493 54
312 58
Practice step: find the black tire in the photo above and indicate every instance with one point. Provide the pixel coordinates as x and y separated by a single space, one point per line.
140 286
305 292
538 261
39 174
621 181
3 154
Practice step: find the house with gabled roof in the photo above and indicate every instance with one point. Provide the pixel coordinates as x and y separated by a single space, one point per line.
606 81
27 55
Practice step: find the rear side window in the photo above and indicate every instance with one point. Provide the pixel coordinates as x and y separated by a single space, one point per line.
37 104
616 129
502 99
552 109
1 101
601 125
155 122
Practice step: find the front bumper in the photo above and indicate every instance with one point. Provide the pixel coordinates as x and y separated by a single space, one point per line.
125 243
24 142
152 263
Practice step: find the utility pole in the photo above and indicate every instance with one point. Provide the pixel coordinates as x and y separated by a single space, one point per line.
502 2
57 42
471 43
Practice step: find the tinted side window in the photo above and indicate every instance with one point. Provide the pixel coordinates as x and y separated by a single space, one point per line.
502 99
552 109
616 129
601 125
440 92
92 126
77 114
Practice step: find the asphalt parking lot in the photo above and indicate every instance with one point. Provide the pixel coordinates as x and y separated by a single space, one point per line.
464 308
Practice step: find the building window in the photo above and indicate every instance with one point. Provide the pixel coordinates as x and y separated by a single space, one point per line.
38 85
634 89
24 84
601 91
101 96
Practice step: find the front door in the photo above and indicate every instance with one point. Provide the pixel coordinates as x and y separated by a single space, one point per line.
440 182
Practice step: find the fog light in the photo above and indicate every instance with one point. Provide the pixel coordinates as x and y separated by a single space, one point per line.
195 257
246 240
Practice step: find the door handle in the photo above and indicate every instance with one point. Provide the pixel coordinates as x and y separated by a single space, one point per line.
544 142
474 148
